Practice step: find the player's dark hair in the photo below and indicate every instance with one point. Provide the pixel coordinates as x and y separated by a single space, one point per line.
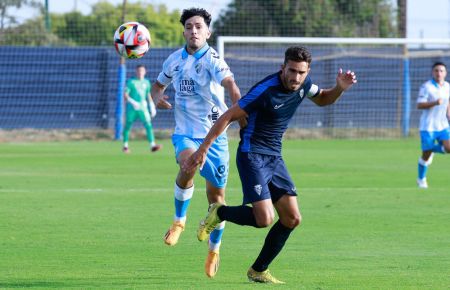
140 65
191 12
297 54
438 63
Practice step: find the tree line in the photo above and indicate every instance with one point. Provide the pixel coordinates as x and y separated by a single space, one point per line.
298 18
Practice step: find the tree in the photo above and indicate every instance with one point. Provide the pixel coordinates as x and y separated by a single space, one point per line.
310 18
8 19
97 28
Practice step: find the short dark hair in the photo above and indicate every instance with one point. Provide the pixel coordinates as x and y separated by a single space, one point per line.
140 65
438 63
191 12
297 54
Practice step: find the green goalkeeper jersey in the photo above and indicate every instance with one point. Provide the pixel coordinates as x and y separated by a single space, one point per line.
138 89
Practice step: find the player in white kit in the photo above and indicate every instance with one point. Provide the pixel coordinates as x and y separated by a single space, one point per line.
433 100
197 74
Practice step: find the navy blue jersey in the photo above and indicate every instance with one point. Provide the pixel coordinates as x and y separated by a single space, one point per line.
270 107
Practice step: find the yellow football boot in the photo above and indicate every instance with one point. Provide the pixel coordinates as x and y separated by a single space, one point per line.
262 277
209 223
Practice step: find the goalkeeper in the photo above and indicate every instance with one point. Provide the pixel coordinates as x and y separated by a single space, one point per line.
137 92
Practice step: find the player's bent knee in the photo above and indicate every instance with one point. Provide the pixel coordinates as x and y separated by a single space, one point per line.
264 214
296 221
292 220
263 223
264 220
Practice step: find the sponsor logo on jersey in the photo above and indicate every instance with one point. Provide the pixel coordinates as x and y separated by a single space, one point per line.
187 86
214 114
222 69
276 107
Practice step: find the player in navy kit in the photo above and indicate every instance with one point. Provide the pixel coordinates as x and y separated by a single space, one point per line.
268 106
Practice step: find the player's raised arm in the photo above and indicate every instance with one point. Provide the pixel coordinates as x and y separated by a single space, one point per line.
233 90
235 95
343 82
159 98
199 157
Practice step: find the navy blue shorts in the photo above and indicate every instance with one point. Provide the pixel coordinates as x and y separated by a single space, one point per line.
263 177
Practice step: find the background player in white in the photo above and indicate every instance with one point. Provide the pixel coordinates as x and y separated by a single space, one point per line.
434 128
197 74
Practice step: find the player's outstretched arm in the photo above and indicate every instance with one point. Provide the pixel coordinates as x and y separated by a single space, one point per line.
199 157
235 95
233 90
343 82
159 98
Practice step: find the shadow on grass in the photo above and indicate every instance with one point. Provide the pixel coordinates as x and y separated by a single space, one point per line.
139 282
32 284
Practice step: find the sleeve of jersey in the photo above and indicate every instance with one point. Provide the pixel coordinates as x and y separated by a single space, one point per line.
220 69
253 100
423 94
313 91
165 76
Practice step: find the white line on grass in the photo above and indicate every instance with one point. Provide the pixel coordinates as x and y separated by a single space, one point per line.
166 189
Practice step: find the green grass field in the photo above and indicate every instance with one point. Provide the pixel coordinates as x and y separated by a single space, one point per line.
84 215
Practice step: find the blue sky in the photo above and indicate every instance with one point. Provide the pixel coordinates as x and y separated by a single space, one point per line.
426 18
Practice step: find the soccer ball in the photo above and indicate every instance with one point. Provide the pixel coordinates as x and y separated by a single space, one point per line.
132 40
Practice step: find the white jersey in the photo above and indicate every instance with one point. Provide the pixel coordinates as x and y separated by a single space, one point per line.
434 118
199 97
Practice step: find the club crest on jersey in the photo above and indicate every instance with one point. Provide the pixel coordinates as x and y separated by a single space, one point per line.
198 68
301 93
258 189
221 169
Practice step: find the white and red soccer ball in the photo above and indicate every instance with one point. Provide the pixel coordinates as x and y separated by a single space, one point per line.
132 40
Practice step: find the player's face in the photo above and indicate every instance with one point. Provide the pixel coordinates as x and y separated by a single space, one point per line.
439 74
293 74
140 72
196 32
